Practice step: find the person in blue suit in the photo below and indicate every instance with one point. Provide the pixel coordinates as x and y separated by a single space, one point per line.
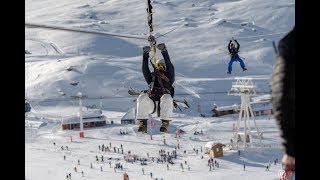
233 51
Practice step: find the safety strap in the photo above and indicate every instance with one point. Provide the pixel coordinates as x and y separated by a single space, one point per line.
151 38
160 78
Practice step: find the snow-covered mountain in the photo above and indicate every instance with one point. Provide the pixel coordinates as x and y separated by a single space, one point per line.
105 66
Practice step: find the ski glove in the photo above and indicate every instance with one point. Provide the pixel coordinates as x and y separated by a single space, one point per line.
161 46
146 49
152 39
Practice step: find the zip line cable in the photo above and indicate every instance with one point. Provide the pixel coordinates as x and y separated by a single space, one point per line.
170 31
34 25
123 97
262 35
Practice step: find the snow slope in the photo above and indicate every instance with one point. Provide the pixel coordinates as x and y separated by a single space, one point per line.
108 66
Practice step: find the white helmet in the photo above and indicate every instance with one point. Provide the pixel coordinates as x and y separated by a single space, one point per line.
160 63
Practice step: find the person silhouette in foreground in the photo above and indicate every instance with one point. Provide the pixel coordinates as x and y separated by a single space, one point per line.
283 100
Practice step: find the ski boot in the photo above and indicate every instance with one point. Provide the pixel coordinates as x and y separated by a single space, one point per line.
164 126
142 126
229 72
244 68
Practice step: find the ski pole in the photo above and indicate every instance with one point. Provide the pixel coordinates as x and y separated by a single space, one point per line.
242 57
229 53
274 47
224 51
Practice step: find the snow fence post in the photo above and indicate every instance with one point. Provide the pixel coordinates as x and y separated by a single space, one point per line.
151 124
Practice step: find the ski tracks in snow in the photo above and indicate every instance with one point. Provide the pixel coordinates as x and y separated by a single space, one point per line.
47 46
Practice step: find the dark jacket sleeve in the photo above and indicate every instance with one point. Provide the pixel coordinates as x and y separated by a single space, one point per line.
283 91
229 48
238 45
169 66
145 68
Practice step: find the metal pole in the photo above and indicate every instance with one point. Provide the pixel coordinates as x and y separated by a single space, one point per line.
150 126
248 118
255 125
245 122
80 113
239 121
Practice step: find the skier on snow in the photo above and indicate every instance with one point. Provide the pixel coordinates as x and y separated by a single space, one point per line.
160 94
233 51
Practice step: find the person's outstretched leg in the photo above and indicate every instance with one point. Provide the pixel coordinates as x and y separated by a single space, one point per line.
242 64
166 111
145 106
230 65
